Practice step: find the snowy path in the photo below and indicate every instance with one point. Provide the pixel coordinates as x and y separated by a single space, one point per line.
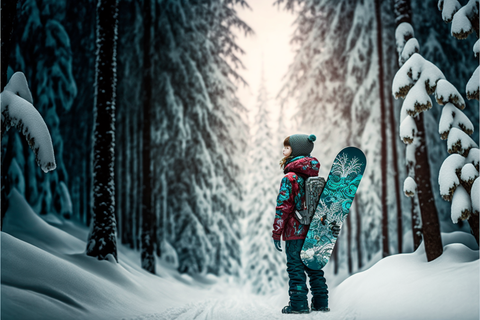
237 307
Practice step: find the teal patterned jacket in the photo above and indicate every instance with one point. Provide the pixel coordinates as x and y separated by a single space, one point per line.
291 197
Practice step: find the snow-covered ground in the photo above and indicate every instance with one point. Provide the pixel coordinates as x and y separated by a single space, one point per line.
46 275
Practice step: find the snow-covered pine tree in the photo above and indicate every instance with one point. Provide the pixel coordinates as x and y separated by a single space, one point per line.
17 111
47 62
403 13
102 239
415 81
199 133
458 176
264 267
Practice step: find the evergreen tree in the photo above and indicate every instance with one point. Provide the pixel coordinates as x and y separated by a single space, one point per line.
148 215
47 62
264 267
102 240
200 131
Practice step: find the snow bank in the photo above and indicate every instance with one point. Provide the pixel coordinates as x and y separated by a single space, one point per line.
406 286
47 270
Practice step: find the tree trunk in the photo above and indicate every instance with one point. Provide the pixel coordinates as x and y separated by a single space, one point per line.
415 211
473 222
148 216
102 240
383 132
428 210
396 176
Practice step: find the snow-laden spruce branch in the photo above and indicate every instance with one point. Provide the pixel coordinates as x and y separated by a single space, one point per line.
464 21
19 112
416 81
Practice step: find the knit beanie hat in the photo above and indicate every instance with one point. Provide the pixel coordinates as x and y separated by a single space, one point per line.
301 144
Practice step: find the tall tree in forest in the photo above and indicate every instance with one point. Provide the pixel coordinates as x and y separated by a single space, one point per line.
403 13
47 63
148 215
383 133
199 129
264 268
458 177
420 84
102 240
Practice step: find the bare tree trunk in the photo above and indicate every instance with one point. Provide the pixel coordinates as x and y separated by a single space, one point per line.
148 215
396 176
102 240
383 132
428 210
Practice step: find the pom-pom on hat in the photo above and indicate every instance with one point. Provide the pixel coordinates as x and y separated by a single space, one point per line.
301 144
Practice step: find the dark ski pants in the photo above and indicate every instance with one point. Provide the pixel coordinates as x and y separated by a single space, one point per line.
298 280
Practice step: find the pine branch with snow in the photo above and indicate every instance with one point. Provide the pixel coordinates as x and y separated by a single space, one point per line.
18 111
465 20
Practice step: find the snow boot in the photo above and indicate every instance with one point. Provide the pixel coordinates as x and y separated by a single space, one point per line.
320 305
290 309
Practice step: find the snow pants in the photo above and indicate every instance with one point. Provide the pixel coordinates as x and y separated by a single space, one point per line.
298 280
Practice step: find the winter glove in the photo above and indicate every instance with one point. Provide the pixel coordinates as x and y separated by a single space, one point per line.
335 229
278 245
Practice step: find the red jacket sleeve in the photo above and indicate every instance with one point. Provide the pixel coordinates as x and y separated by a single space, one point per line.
284 209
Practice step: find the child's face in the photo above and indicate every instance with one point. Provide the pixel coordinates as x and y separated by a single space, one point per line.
287 151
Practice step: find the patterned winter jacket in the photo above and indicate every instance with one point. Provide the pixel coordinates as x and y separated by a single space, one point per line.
292 197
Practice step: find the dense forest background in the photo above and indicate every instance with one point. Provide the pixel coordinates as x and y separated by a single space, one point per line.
213 173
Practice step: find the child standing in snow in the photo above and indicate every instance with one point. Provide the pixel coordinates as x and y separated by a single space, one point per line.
298 166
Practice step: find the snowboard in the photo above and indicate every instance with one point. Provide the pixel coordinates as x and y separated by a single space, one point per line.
333 206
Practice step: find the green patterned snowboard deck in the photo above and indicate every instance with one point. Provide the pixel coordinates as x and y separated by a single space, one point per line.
334 205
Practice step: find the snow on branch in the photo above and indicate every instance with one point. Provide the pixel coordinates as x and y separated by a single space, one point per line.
476 48
408 130
419 73
461 205
403 33
474 157
409 187
468 175
17 111
447 93
448 176
409 49
473 86
459 142
463 20
453 118
448 8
